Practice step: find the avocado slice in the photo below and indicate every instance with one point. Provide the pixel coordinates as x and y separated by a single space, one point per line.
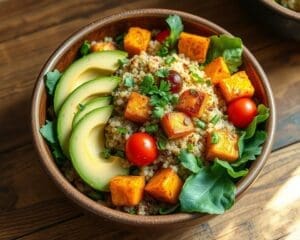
85 69
86 145
99 87
89 106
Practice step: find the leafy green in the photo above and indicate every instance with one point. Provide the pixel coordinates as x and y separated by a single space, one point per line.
128 80
162 73
230 48
230 170
161 141
169 60
85 48
157 112
151 128
48 131
209 191
120 40
123 61
168 210
52 80
263 115
189 161
122 130
176 27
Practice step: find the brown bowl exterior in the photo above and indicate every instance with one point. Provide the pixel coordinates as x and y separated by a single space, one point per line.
281 20
112 26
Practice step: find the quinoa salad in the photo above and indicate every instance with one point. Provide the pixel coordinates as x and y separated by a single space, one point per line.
156 121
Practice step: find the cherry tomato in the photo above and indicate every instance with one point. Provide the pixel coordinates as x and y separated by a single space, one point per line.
141 149
241 112
162 35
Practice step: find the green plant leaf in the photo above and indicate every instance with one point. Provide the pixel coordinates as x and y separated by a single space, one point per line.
168 210
189 161
85 48
209 191
230 48
51 81
230 170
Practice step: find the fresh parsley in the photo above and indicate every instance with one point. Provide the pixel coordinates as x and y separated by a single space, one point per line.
151 128
169 60
128 80
122 130
51 80
162 73
85 48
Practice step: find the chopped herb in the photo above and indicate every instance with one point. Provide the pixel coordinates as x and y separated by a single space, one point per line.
122 130
169 60
215 119
214 138
162 73
195 75
200 124
81 106
85 48
128 80
161 142
106 153
158 112
52 80
151 128
120 40
147 84
123 61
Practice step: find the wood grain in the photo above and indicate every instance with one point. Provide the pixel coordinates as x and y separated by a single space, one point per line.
269 210
31 207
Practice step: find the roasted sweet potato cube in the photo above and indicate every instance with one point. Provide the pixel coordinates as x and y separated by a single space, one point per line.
165 186
192 102
193 46
136 40
127 190
222 144
137 108
236 86
177 124
217 70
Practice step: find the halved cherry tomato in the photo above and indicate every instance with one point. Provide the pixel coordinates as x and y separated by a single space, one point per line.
141 149
162 35
241 112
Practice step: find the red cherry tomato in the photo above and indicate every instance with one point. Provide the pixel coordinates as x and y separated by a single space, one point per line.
162 35
241 112
141 149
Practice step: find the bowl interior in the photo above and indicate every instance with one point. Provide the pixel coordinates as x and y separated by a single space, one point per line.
113 26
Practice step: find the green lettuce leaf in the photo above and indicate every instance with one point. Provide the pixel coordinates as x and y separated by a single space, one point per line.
230 48
209 191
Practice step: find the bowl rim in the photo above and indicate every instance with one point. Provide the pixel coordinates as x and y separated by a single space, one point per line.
90 205
286 12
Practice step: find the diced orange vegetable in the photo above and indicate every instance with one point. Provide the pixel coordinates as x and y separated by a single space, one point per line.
102 46
193 46
127 190
192 102
165 186
217 70
225 147
137 108
236 86
136 40
177 124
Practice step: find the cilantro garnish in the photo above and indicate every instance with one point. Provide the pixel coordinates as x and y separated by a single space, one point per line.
85 48
151 128
128 80
52 80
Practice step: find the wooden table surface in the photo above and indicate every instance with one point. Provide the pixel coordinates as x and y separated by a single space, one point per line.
31 207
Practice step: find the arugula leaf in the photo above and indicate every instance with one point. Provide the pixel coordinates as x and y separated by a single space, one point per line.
189 161
151 128
209 191
85 48
176 27
251 148
230 48
48 131
168 210
52 80
230 170
263 115
128 80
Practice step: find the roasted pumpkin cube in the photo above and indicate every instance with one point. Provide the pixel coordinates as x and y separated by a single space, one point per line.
236 86
136 40
222 144
217 70
192 102
127 190
102 46
165 186
177 124
137 108
193 46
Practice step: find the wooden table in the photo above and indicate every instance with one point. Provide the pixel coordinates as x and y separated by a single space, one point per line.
31 207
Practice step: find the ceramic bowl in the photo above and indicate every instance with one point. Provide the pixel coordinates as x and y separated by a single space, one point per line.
112 26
